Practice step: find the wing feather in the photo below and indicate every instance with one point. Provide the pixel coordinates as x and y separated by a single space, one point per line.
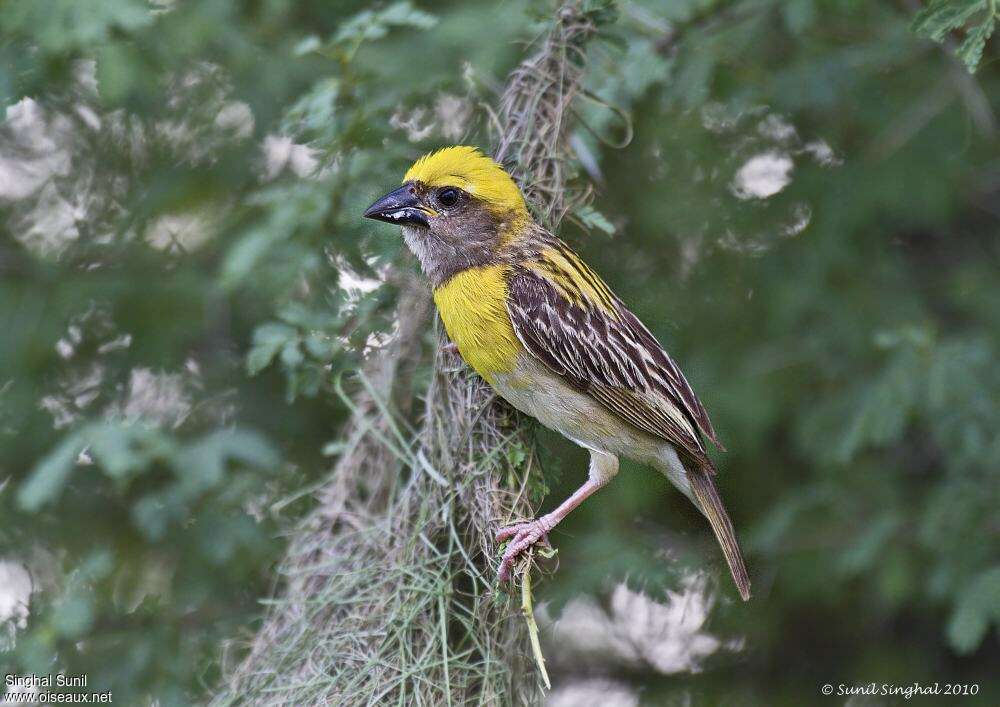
603 350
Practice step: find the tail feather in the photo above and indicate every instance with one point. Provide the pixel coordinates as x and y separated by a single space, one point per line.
711 505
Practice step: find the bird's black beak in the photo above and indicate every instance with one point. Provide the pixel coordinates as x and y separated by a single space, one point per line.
400 207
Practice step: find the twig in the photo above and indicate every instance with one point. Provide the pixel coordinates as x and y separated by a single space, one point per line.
527 609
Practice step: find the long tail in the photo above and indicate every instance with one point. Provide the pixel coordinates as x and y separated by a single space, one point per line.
711 505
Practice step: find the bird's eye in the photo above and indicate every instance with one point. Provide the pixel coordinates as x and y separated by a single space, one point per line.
448 196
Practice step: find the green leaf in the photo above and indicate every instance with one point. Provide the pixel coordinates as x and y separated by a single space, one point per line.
120 450
259 358
307 45
268 340
291 355
971 50
594 219
151 515
321 347
977 605
403 14
316 109
119 69
66 25
73 616
942 16
884 406
202 465
124 450
244 256
49 476
370 25
864 552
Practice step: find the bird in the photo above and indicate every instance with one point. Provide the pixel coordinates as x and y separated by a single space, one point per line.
552 339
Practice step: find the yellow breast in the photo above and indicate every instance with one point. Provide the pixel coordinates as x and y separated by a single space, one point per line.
473 307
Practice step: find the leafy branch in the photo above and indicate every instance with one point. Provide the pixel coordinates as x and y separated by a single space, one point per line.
976 18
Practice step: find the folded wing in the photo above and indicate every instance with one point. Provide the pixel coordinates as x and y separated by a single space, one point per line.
568 318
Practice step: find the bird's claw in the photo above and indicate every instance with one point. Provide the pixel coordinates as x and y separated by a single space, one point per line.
522 536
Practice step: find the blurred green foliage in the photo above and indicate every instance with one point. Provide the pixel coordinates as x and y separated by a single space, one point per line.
184 276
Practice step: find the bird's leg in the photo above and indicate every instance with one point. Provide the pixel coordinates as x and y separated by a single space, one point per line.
522 536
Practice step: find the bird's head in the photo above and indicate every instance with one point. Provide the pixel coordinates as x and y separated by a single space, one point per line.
457 208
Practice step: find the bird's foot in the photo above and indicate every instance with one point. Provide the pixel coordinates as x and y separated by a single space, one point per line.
449 349
521 536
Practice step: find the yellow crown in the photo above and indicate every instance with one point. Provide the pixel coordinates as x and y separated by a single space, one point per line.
470 170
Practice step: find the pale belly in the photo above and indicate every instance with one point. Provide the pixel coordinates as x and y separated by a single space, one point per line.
536 391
